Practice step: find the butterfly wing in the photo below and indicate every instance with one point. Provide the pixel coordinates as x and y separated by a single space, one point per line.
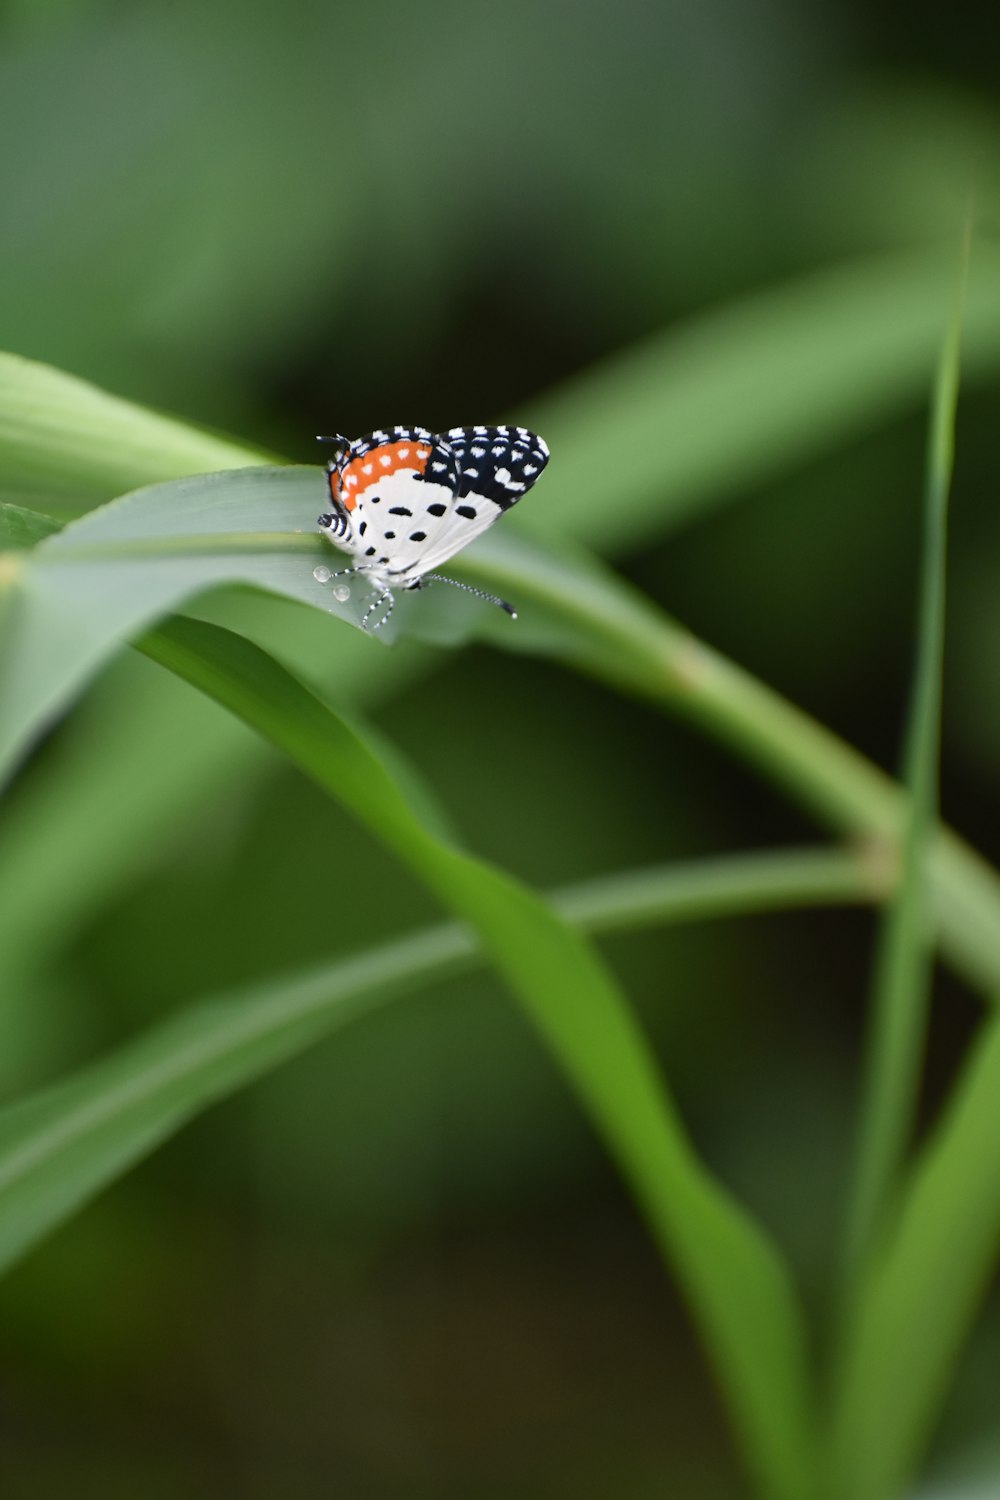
494 467
390 491
405 500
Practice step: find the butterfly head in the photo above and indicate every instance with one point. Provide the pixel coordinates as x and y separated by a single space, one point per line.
340 447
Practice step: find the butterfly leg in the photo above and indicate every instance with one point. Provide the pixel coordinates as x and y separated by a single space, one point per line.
381 598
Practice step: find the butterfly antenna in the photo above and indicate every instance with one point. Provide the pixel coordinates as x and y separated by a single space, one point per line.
479 593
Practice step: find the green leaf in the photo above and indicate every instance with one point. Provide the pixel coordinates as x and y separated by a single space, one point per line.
20 528
81 595
733 884
69 441
790 372
707 412
738 1288
917 1282
574 608
60 1148
903 966
63 1145
76 837
926 1282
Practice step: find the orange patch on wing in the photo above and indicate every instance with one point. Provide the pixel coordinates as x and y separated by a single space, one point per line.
385 459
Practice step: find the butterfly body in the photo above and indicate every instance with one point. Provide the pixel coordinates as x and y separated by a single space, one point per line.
404 500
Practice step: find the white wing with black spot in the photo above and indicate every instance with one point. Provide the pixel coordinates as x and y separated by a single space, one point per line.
495 467
405 500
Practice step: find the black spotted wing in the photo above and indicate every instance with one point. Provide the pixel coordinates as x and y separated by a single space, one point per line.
415 499
494 467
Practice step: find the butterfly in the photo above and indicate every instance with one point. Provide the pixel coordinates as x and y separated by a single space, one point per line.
405 500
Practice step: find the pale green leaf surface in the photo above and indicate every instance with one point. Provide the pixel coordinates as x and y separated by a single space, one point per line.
62 437
82 594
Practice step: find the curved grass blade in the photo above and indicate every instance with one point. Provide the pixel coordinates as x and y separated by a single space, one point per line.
575 609
738 1288
572 608
60 1148
785 374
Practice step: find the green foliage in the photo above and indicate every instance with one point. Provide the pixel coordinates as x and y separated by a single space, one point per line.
63 1146
794 371
66 443
904 963
922 1289
707 253
71 600
896 1271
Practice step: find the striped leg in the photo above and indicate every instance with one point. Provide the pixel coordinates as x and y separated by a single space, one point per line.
379 599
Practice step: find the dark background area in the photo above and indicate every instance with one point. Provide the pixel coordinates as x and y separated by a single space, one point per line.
402 1267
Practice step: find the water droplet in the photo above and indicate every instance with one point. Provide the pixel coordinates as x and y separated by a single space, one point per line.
322 575
342 593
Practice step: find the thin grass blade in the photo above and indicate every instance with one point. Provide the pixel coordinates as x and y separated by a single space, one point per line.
903 967
63 1146
906 1271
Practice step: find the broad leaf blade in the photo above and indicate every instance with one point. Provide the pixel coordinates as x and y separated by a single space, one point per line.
81 595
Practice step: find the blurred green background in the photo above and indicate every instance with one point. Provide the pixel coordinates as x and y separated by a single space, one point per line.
402 1267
